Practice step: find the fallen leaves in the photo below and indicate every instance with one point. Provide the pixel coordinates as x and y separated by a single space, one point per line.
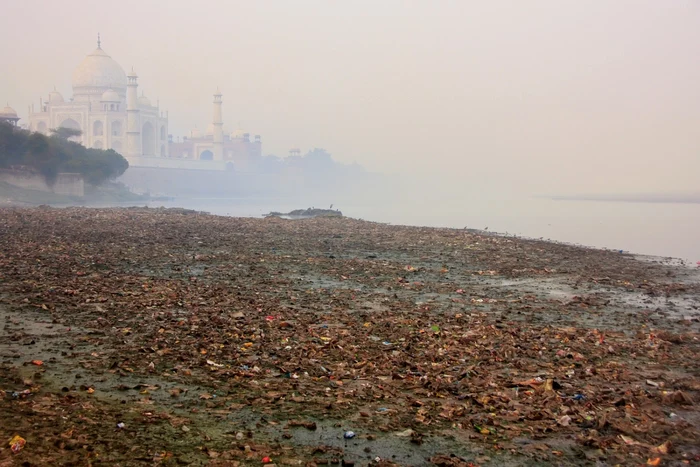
273 324
309 425
677 397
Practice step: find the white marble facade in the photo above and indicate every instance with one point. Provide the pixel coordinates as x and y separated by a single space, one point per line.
99 109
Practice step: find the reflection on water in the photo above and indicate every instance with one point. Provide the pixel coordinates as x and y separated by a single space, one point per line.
660 229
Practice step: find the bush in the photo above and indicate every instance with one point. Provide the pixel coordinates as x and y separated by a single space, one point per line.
54 154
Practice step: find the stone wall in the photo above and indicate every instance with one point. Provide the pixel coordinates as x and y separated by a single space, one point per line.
70 184
173 163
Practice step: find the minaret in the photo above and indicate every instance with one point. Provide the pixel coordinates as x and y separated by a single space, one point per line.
218 128
133 120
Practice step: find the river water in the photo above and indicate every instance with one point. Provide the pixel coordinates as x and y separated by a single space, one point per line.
658 229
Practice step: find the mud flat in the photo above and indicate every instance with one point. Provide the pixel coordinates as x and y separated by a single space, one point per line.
171 337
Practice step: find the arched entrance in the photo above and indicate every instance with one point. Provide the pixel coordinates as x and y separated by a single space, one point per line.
73 125
206 155
42 127
149 139
70 123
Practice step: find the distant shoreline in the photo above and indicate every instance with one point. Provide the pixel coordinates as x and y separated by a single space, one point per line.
690 199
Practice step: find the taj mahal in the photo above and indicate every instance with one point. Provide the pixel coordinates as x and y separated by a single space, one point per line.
107 109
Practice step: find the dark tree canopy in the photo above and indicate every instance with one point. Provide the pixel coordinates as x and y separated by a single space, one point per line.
65 133
56 153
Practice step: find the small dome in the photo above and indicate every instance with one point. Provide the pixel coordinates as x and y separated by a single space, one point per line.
144 101
195 133
55 97
8 112
98 71
110 96
238 133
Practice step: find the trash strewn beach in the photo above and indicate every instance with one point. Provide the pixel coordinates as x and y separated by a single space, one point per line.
154 336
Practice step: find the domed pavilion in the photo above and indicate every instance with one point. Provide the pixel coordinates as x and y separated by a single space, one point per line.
101 109
107 108
9 115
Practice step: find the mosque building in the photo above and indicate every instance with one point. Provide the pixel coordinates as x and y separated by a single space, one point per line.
108 110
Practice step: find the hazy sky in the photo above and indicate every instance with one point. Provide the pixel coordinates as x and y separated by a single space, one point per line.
548 95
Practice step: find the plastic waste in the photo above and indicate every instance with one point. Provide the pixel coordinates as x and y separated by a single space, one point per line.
349 435
564 421
17 443
20 394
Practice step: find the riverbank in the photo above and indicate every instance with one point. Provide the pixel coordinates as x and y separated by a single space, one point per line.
109 193
218 340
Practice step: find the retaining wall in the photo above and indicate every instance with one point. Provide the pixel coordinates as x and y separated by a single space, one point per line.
70 184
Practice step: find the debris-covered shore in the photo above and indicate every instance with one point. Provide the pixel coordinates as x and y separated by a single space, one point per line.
154 336
308 213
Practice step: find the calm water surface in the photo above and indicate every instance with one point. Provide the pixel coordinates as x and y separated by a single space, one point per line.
659 229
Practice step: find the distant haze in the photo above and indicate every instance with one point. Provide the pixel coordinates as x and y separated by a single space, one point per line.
549 96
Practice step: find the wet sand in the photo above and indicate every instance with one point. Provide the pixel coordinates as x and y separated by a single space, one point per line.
221 341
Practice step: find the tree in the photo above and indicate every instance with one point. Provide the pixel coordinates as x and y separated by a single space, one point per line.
55 154
319 161
65 133
270 164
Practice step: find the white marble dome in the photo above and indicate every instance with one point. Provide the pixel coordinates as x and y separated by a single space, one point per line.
98 72
110 96
55 97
